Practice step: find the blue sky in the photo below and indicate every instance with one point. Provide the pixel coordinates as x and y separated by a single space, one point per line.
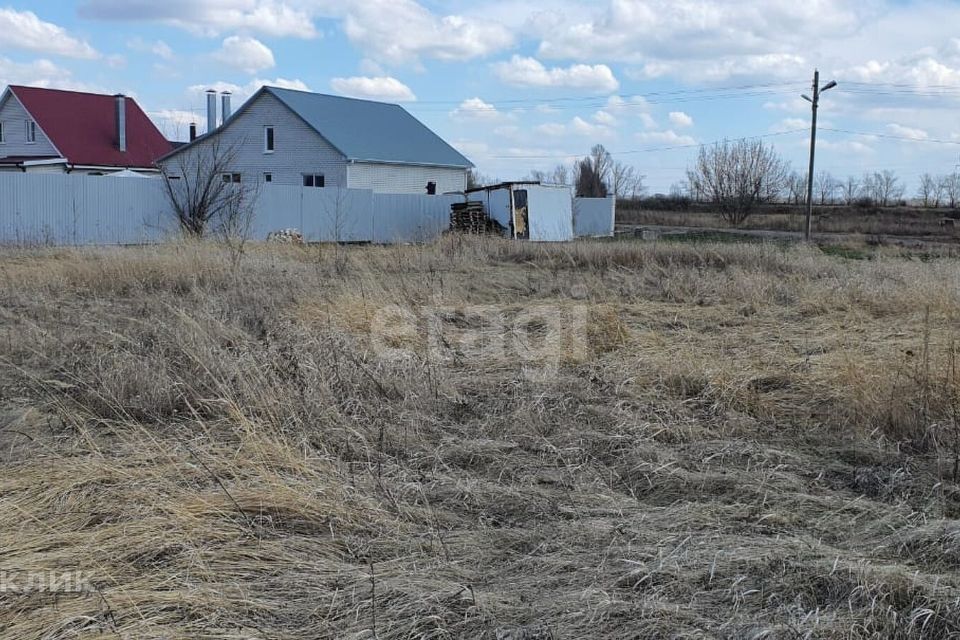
519 85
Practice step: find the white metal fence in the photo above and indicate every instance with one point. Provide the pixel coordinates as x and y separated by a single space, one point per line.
75 210
594 216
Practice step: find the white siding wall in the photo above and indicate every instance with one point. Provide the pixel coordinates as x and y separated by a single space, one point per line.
297 147
400 178
14 118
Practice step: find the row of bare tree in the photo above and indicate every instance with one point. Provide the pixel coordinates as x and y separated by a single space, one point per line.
738 176
595 176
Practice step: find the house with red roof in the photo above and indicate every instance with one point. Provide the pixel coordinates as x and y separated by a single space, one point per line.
73 132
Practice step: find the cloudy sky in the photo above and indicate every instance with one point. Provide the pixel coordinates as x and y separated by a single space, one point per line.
522 84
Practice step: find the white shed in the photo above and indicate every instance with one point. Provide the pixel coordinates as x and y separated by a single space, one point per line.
529 210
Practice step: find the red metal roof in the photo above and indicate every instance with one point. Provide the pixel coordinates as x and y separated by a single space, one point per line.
82 126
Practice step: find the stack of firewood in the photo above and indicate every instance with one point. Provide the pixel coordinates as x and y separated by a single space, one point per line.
470 217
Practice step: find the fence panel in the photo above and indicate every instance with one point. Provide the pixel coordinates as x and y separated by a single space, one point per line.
76 210
594 216
410 217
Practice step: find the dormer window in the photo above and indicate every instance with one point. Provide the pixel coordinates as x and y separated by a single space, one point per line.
31 132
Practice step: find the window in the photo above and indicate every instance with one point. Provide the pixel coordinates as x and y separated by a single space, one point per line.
31 131
268 139
2 139
268 177
313 180
431 188
232 177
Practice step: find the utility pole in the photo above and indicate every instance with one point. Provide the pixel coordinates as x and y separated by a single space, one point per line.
814 104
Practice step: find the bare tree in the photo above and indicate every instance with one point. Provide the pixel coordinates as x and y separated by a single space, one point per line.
850 190
826 186
625 180
205 192
537 175
795 186
926 188
886 188
939 190
602 162
738 176
951 189
336 209
560 174
868 188
473 178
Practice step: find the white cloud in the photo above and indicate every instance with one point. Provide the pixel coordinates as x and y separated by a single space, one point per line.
158 48
923 70
245 53
581 127
907 132
43 73
648 122
857 147
577 126
242 92
403 31
680 119
24 30
604 118
790 124
209 17
378 88
668 137
551 129
661 30
521 71
476 109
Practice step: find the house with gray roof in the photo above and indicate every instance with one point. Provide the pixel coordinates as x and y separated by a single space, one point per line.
311 140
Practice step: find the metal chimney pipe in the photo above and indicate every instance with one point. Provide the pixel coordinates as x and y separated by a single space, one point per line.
121 111
225 110
193 131
211 110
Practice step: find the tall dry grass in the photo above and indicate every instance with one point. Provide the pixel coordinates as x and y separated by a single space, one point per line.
750 441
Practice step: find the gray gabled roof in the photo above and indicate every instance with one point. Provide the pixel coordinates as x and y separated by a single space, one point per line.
364 130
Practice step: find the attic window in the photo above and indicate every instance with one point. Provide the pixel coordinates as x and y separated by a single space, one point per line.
313 180
2 139
31 132
268 139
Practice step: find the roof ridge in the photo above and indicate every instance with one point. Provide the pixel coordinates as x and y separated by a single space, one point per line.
82 93
331 95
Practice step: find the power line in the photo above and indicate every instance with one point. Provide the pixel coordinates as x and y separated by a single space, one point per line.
629 96
902 85
892 137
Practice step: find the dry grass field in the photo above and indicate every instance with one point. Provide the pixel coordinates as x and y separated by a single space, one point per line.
479 439
891 221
